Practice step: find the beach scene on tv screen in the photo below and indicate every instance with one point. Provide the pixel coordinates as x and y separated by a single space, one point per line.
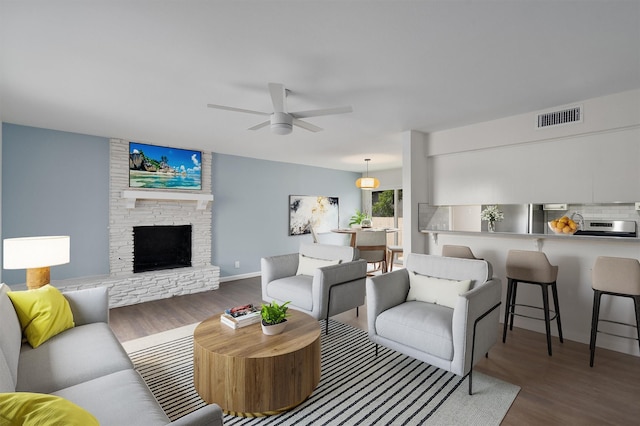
152 166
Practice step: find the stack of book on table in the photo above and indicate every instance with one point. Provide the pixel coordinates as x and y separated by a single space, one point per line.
241 316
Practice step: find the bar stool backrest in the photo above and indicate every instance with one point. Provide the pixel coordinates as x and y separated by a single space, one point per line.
457 251
531 266
616 275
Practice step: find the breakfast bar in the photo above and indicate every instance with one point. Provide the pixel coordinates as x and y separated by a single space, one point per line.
575 255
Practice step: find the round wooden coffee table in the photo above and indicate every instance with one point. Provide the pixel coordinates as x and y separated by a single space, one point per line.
251 374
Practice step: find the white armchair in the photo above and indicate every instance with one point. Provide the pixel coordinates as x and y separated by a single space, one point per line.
321 280
447 330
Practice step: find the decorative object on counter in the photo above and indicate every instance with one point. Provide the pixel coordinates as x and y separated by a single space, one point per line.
360 219
367 182
492 215
563 226
274 317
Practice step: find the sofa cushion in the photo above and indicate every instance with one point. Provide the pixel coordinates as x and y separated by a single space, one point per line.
120 398
436 290
25 408
10 341
308 265
43 313
423 326
296 289
74 356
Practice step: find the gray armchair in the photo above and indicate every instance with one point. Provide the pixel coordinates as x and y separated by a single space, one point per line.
321 280
452 338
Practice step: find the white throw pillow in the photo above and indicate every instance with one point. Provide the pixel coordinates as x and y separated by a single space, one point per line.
308 265
436 290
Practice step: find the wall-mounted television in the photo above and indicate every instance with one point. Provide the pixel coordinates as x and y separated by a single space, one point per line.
152 166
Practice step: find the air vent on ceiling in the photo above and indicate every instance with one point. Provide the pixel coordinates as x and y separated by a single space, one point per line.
554 118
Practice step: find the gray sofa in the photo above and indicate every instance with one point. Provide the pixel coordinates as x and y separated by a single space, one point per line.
331 289
451 338
86 365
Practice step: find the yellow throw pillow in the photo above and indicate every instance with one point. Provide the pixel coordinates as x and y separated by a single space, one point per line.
436 290
36 409
43 313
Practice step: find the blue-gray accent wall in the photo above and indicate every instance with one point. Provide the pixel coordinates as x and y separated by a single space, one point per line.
57 183
251 208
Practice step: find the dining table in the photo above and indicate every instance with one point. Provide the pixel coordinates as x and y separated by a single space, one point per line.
352 232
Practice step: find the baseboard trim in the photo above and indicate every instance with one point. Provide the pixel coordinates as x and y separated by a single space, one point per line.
239 277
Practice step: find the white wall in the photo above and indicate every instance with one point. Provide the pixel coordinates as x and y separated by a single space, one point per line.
507 161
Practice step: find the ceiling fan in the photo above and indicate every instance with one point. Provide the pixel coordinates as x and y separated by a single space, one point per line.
281 121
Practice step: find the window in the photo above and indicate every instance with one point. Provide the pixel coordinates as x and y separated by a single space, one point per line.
386 212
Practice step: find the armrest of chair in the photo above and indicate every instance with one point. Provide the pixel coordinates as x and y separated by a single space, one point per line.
89 305
385 291
327 276
340 273
471 306
276 267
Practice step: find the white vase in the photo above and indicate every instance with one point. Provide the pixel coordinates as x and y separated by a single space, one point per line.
273 329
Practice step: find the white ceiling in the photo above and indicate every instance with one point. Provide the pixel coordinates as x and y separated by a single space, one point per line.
145 70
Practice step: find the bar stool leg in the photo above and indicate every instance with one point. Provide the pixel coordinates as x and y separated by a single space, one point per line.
594 325
547 321
507 308
554 291
636 303
513 303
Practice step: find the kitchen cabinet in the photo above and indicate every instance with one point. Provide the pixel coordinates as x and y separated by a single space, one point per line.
592 168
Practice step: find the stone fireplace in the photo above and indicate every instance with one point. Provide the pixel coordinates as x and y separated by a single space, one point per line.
141 208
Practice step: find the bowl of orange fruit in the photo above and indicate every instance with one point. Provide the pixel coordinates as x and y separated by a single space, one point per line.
563 226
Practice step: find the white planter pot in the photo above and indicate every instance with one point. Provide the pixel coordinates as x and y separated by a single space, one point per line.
274 329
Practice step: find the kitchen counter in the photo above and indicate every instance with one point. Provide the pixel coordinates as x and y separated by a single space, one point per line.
537 239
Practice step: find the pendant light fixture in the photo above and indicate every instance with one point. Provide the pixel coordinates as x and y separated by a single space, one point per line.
367 182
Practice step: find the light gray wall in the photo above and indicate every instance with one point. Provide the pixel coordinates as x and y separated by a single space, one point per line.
57 183
251 208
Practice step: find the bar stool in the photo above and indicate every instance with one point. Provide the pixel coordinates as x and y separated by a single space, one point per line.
531 267
615 276
457 251
393 251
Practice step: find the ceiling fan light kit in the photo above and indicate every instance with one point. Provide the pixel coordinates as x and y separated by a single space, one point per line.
367 182
281 122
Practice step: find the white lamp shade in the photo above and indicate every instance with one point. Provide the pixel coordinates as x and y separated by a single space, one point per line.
367 183
36 252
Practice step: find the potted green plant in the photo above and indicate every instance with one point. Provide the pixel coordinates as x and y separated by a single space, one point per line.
361 219
274 317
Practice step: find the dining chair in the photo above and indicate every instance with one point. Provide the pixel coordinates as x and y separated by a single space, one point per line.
373 247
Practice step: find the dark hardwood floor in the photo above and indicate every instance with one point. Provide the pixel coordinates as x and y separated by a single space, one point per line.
557 390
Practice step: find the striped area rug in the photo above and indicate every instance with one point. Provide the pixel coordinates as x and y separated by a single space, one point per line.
356 387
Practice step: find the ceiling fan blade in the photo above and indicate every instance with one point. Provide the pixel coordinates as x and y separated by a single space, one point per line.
261 125
319 112
307 126
278 95
228 108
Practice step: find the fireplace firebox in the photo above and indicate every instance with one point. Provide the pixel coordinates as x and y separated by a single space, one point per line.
161 247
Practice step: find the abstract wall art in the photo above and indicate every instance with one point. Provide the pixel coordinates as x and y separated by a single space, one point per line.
307 211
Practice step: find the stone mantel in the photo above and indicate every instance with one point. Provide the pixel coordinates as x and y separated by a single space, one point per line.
202 200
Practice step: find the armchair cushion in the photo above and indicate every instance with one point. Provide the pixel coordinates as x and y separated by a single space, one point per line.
423 326
307 265
295 289
436 290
